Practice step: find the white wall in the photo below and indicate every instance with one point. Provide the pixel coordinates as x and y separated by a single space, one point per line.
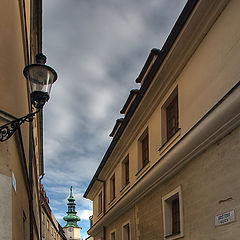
5 207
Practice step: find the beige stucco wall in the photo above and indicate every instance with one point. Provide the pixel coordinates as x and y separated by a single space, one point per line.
213 69
12 60
14 101
20 197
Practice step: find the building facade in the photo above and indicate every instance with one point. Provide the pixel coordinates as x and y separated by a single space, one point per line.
50 228
171 170
21 156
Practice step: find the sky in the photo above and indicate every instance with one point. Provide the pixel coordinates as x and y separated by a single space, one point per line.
98 48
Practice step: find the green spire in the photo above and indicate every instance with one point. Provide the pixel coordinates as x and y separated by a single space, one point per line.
71 217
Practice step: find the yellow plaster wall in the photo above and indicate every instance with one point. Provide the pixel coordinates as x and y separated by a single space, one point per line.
13 97
213 69
14 100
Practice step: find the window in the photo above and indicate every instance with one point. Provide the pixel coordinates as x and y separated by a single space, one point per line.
112 188
173 214
100 202
145 153
47 225
113 236
172 117
143 145
126 232
125 171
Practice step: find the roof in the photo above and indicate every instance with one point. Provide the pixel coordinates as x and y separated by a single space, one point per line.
154 52
133 93
160 58
116 126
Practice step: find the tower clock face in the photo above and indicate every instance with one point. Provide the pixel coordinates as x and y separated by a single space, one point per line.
70 229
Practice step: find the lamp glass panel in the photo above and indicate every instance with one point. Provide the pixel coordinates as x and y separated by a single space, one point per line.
41 78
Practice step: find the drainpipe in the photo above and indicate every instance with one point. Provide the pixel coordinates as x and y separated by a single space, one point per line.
31 178
39 209
31 146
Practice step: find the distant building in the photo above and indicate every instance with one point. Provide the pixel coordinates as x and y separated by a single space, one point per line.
172 168
51 229
71 229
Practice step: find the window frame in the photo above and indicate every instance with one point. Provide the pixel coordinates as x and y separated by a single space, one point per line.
143 150
125 171
175 216
172 105
128 231
112 187
111 233
171 99
172 232
100 203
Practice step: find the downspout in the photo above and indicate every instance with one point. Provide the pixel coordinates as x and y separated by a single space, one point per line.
31 138
27 59
31 178
30 127
39 26
39 50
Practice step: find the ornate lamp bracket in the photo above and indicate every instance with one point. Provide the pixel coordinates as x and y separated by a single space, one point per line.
7 130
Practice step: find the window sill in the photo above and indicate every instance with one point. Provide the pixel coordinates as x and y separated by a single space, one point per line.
124 188
142 170
100 214
174 236
169 141
112 201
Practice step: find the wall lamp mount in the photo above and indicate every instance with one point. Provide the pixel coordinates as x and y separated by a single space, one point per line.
41 78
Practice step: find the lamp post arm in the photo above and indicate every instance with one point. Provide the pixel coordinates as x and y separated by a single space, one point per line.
7 130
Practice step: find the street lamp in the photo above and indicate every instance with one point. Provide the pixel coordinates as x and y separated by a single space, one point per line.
41 78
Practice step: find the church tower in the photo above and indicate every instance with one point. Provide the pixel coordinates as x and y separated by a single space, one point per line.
71 229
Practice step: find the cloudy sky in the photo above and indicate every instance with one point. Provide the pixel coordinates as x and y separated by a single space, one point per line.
98 48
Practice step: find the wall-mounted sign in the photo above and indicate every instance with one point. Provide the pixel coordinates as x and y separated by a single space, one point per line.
225 218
